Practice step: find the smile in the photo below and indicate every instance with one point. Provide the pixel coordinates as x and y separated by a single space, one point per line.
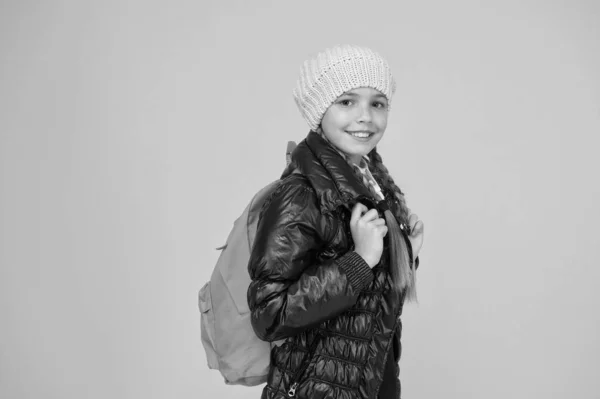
360 134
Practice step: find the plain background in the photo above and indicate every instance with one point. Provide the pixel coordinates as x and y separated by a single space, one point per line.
133 133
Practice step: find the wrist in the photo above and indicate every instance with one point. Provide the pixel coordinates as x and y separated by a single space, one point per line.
368 260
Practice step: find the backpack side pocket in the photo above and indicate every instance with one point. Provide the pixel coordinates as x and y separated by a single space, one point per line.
207 326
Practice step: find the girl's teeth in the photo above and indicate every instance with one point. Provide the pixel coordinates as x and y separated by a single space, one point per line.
361 135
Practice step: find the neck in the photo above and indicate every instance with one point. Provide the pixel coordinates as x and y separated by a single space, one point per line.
355 159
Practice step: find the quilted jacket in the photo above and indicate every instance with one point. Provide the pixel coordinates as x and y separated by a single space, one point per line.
335 319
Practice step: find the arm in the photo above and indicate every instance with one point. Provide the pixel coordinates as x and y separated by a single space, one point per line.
290 291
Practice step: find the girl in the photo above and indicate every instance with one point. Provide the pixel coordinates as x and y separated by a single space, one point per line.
332 262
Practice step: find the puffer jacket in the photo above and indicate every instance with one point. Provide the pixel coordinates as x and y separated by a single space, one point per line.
335 319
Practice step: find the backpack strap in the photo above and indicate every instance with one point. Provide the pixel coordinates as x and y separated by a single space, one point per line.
291 145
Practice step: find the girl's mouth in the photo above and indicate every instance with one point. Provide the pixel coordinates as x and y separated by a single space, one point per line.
360 135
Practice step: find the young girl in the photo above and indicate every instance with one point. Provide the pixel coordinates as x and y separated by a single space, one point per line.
336 251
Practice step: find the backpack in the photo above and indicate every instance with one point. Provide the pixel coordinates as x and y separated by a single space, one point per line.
226 332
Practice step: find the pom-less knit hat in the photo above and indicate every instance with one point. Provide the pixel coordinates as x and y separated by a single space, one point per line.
335 71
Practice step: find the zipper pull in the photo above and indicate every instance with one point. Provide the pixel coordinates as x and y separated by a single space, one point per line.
292 391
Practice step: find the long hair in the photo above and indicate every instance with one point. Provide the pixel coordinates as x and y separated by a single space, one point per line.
401 270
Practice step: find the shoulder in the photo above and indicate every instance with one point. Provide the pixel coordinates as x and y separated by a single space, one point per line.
293 193
296 182
294 204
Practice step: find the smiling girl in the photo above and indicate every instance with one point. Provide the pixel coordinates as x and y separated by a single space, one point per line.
336 248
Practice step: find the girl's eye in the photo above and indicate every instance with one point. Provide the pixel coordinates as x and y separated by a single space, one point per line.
379 104
345 103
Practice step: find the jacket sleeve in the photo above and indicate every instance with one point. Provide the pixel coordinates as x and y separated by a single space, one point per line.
290 291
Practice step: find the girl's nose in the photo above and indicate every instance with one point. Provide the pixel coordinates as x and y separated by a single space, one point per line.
365 114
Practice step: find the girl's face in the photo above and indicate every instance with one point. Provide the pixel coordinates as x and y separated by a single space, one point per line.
356 121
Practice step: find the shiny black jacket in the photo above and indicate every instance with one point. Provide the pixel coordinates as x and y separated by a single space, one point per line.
338 318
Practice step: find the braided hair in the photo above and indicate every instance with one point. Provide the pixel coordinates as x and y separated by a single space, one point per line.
402 272
380 171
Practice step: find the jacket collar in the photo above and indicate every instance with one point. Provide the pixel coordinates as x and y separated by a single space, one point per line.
329 174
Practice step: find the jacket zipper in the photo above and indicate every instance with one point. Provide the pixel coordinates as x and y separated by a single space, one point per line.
389 349
303 366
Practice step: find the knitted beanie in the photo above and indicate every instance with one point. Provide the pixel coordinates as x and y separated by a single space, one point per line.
335 71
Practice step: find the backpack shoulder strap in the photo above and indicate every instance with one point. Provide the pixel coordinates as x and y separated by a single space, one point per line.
291 145
259 199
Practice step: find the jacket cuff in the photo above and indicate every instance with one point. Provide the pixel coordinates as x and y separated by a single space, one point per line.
358 271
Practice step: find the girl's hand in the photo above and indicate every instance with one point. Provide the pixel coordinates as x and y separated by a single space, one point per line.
368 230
416 234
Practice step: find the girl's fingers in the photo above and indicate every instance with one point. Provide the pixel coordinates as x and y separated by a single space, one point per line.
412 220
357 212
370 215
378 222
418 228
